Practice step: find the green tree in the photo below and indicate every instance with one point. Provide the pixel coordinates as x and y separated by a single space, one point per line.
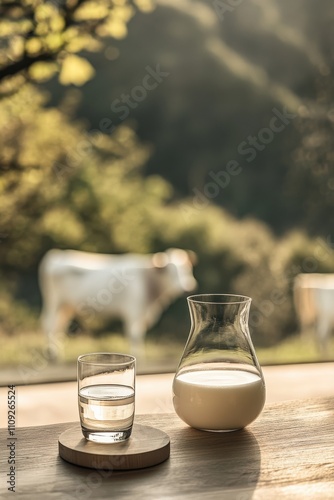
310 181
48 178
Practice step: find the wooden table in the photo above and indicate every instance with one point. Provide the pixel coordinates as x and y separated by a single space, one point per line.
287 453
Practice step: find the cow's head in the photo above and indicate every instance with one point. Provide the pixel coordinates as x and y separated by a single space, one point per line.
179 264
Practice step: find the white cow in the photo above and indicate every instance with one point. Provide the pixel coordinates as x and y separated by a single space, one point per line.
133 287
314 304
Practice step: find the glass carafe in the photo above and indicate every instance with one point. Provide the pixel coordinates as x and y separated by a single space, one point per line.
219 385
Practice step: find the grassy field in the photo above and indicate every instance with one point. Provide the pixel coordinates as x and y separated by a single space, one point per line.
294 350
29 350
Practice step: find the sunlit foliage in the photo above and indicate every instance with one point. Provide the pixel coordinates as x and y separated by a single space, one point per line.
40 38
48 178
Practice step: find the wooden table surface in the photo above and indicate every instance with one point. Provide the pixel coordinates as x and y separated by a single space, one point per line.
287 453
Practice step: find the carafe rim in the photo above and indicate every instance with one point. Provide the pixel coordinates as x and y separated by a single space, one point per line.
219 298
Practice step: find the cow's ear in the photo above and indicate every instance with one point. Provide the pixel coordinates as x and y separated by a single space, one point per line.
160 260
180 256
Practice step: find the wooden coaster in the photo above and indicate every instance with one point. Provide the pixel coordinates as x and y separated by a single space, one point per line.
145 447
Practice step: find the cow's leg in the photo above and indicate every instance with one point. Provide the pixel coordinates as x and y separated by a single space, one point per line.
322 333
135 332
305 311
54 322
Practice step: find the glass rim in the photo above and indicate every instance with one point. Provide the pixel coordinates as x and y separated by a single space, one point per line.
130 359
218 298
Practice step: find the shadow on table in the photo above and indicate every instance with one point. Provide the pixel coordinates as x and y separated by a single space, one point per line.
226 461
224 464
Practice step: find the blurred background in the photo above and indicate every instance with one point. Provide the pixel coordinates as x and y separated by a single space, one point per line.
142 126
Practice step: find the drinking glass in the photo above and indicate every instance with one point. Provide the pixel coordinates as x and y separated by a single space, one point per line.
106 396
219 385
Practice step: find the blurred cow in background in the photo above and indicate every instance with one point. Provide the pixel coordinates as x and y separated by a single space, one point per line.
314 303
135 288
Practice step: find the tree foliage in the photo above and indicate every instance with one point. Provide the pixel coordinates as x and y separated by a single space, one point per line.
41 38
55 193
310 181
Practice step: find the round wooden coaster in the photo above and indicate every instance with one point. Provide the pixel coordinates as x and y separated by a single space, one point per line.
145 447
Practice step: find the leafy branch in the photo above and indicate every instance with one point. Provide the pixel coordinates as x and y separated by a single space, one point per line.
38 37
